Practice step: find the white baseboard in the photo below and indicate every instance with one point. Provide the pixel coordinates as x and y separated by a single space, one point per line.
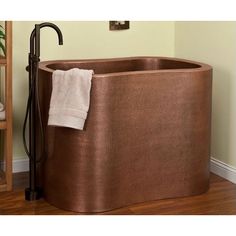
217 167
20 165
224 170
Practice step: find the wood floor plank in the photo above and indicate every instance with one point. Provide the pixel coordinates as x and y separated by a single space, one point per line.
220 199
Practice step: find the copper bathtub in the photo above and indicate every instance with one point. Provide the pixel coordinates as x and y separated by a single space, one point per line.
146 137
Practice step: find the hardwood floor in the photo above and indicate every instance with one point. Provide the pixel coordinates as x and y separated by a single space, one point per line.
220 199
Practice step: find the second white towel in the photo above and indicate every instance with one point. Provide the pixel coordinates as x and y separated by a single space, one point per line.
70 98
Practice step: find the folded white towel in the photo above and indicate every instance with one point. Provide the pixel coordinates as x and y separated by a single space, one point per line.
70 98
2 112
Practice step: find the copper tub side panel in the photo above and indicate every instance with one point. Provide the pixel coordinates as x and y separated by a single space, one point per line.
146 137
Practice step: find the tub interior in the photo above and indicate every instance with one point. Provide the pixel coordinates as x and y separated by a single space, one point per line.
114 66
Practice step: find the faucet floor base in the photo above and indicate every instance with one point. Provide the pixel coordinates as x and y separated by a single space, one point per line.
32 195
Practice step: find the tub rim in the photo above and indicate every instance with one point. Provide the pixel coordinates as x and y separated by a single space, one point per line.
43 65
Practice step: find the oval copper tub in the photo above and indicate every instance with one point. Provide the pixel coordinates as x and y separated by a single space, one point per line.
146 137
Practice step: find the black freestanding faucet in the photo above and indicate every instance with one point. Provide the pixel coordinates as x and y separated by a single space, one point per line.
33 110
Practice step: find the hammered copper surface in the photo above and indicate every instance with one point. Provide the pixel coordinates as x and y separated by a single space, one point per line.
146 137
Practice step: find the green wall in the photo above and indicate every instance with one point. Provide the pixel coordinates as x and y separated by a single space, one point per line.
215 43
82 40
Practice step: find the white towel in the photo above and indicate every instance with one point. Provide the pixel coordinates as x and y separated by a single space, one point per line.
2 112
70 98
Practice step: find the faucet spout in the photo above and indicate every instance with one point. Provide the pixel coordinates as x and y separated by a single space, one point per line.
51 25
35 37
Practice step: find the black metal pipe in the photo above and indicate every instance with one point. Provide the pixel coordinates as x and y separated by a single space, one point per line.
33 109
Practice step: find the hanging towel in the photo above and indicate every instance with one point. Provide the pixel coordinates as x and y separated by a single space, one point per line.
2 112
70 98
